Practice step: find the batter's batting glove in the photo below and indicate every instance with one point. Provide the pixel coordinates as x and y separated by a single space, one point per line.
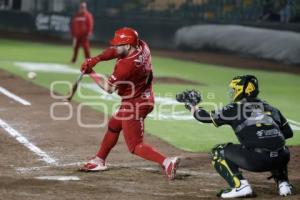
191 97
88 65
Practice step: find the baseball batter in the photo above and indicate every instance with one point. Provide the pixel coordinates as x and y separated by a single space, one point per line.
261 130
132 79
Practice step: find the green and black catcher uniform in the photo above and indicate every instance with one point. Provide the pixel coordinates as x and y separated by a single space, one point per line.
261 130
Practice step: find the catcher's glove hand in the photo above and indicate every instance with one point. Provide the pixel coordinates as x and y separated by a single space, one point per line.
191 97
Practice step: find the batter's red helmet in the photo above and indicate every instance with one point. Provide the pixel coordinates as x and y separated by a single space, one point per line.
125 36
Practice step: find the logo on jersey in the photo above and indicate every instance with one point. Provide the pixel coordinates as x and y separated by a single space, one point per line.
139 61
144 59
272 133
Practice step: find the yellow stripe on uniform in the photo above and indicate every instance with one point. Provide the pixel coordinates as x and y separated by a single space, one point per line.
237 182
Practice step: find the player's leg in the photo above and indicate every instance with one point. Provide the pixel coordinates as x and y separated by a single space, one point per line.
108 142
133 130
133 133
280 176
86 47
110 138
76 46
237 156
263 161
229 170
280 173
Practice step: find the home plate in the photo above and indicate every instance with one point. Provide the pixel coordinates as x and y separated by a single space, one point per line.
59 178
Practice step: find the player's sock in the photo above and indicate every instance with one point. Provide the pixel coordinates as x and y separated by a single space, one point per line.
149 153
109 141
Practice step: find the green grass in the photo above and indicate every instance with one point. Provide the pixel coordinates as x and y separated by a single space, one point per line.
279 89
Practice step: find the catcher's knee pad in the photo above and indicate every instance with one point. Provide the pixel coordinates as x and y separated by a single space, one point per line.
222 167
218 149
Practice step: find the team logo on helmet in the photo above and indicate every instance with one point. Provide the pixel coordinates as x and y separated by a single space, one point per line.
243 87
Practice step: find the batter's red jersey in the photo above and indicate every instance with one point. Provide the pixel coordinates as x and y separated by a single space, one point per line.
82 24
133 75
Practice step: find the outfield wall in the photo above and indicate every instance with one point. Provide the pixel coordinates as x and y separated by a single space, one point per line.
159 34
281 46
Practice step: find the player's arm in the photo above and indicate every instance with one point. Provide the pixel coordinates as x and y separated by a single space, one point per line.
90 23
108 54
110 85
102 82
217 118
285 127
73 27
202 115
224 116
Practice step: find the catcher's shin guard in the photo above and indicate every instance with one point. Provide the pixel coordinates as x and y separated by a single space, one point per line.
222 167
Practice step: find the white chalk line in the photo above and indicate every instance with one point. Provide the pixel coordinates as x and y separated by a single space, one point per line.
294 122
114 166
14 97
59 178
294 125
46 67
23 140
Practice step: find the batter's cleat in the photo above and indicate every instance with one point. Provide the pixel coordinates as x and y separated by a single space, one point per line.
284 189
94 165
170 165
244 190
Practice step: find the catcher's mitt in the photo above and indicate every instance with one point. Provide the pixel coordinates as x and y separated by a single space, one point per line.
191 97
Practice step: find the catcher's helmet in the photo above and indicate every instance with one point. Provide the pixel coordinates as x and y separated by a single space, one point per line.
125 36
244 87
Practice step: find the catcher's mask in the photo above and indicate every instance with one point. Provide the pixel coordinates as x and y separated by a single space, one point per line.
243 87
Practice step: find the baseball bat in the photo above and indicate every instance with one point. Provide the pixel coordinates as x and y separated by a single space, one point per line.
75 86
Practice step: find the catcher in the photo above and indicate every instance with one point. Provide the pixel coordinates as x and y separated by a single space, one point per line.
261 130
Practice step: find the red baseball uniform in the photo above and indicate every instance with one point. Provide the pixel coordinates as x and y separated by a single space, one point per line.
132 77
81 27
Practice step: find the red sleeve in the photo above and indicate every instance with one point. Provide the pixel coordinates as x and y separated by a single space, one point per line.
73 26
90 22
120 73
108 54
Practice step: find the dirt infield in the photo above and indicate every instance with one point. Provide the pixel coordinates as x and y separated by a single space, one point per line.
129 177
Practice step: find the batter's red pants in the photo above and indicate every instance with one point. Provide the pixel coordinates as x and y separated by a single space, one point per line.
132 125
84 42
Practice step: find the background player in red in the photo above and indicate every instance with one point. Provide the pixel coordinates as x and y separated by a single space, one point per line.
81 28
132 78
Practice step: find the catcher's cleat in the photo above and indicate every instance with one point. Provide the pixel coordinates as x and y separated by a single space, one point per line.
94 165
284 189
170 165
244 190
